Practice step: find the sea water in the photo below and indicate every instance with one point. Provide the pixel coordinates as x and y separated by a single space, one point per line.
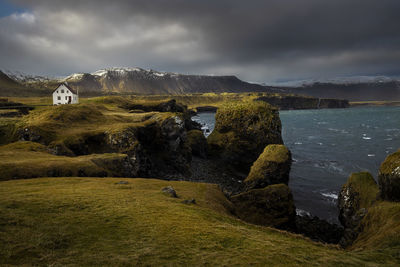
328 145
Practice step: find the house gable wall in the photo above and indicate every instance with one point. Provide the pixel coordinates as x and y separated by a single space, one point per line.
61 96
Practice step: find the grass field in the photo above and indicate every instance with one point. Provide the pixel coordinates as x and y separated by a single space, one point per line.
93 221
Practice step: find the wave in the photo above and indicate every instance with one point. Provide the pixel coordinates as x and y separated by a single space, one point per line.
331 195
302 213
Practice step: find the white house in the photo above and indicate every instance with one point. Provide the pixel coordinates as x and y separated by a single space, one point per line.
64 94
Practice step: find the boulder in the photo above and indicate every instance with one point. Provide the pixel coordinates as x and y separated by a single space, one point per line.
269 206
271 167
197 142
170 191
389 178
242 130
189 201
355 197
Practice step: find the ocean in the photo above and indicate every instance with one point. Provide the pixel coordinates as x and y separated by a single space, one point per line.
328 145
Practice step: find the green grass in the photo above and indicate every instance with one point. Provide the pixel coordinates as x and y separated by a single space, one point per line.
29 160
56 124
381 228
90 221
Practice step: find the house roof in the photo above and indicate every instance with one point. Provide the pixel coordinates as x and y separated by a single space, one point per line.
66 85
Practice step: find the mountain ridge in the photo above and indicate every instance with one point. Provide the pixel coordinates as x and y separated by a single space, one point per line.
134 80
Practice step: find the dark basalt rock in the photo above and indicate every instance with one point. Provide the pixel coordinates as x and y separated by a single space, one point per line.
197 142
242 131
355 197
271 167
318 230
166 106
189 201
269 206
389 178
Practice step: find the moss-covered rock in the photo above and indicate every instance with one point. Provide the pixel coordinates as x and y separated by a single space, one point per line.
355 197
197 142
242 130
271 167
389 178
271 206
154 141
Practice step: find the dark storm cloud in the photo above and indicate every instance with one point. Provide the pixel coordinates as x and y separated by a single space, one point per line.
257 40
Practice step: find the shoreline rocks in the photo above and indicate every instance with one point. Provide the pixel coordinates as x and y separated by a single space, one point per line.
270 206
355 197
318 230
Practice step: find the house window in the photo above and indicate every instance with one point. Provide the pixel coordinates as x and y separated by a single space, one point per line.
62 91
58 97
66 98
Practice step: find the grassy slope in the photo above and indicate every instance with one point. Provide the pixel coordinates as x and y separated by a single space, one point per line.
28 160
381 228
89 221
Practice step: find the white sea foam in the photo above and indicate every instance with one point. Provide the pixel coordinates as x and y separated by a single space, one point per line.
371 155
330 195
298 143
366 138
301 212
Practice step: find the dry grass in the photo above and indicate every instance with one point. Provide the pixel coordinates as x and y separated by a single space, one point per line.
87 221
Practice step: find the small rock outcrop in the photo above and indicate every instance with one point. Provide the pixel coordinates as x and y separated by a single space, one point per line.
189 201
197 143
271 167
355 197
270 206
389 178
242 130
170 191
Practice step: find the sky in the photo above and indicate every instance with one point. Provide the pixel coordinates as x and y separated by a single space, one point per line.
256 40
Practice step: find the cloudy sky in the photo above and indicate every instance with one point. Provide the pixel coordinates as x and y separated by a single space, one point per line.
257 40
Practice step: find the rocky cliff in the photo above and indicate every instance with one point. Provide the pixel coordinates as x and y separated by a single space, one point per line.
242 131
285 102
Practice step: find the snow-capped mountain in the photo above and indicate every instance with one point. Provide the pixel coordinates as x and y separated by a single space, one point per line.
140 81
26 78
356 88
337 80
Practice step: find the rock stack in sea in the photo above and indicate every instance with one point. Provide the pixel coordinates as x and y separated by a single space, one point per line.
242 131
247 136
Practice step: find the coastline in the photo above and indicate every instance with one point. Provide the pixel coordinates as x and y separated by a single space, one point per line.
375 103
